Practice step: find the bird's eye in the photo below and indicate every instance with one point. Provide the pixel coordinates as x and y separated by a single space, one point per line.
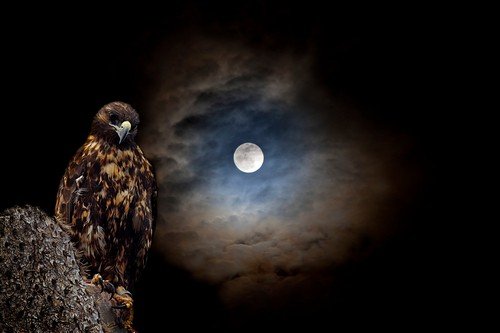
113 118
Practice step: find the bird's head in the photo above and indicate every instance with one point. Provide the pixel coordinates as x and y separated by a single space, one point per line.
116 123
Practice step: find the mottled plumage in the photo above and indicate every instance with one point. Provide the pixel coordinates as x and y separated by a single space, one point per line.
106 197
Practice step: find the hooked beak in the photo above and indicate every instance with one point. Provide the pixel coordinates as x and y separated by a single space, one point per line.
122 130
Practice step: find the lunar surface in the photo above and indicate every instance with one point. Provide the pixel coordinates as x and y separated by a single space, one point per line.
248 157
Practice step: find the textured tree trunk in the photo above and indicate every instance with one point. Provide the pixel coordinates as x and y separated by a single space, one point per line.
41 288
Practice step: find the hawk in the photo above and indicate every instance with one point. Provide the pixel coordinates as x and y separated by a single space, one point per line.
106 199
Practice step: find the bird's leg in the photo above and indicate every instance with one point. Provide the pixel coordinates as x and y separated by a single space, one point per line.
105 285
123 300
125 304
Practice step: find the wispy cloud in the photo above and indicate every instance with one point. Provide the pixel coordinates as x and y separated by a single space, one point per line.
325 187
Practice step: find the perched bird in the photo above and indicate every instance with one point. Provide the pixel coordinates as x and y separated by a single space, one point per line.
106 199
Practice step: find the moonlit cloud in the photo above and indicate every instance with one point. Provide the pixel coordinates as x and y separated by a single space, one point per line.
322 197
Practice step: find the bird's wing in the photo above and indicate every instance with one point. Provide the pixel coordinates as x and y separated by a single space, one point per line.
73 186
144 219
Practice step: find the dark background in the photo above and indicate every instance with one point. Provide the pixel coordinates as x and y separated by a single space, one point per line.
55 79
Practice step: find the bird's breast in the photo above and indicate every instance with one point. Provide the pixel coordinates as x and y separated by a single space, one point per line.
118 183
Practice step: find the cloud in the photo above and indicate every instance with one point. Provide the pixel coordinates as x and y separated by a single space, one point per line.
325 188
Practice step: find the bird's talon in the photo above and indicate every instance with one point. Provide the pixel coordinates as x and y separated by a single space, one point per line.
97 280
104 284
124 303
123 298
109 288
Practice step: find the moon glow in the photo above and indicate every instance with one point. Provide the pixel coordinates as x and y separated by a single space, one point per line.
248 157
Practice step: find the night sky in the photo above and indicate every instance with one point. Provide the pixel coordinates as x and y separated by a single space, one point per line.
338 228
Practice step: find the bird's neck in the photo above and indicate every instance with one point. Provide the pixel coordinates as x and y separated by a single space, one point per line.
97 142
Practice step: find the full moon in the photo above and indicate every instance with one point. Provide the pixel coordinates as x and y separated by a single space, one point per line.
248 157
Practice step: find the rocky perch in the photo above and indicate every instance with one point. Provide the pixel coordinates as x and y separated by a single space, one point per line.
41 288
